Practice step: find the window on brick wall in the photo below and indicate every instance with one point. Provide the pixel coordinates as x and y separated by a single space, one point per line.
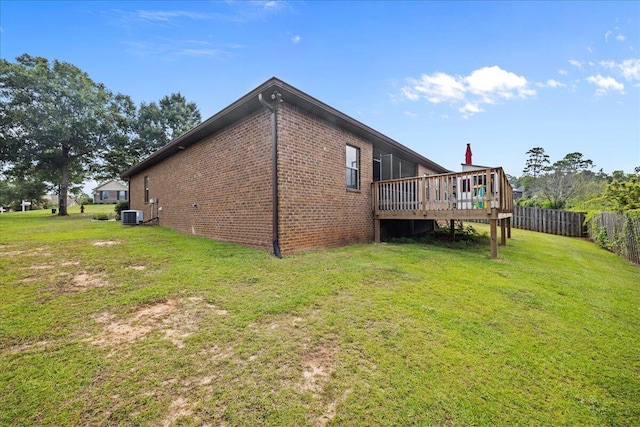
353 167
122 195
146 189
104 195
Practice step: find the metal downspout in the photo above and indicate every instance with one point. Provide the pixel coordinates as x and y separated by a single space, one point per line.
274 166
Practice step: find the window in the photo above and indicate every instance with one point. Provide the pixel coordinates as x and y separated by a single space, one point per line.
390 166
122 195
146 189
353 167
104 195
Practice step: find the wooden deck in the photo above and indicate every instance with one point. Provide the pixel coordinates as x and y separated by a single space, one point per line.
452 196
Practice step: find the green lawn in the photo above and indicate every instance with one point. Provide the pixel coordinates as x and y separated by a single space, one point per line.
106 324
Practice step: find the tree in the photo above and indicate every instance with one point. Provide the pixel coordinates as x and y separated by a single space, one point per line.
54 120
563 179
573 162
623 195
536 163
148 129
123 150
13 192
179 115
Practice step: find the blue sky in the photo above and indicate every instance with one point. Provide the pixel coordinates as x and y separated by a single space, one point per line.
503 76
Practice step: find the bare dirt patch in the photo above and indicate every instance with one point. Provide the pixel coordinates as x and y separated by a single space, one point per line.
176 319
185 401
10 254
331 409
41 266
84 280
216 353
317 367
178 408
106 243
14 251
21 348
69 263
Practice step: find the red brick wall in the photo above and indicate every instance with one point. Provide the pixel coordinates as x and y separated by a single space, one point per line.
316 209
228 177
422 169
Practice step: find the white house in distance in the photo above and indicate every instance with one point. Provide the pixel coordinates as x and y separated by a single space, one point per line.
111 191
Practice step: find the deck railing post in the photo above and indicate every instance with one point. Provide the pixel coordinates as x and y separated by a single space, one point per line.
421 191
376 197
487 190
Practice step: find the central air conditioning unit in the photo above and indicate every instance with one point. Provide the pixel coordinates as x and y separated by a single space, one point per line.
131 217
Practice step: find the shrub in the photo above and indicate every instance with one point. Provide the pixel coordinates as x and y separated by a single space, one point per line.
122 205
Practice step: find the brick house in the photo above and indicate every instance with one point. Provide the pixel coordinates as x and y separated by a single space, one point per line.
111 191
277 170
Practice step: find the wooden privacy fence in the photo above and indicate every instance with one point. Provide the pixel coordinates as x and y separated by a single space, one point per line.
618 232
550 221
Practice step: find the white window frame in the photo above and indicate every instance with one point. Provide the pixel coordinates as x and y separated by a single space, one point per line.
351 168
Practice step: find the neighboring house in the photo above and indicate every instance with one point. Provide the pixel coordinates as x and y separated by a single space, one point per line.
110 192
518 193
278 169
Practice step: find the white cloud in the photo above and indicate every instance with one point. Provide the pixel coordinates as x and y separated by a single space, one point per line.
487 85
436 88
494 82
629 68
170 49
551 83
268 4
562 71
605 84
240 12
167 15
470 108
201 52
620 38
410 114
410 94
575 63
296 39
606 36
554 83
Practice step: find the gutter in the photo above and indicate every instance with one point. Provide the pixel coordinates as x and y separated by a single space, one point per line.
277 97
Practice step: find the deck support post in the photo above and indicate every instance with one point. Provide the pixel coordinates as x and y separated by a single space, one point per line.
509 227
494 239
452 230
493 223
503 232
376 230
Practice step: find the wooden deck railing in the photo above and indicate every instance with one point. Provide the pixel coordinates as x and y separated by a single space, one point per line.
461 195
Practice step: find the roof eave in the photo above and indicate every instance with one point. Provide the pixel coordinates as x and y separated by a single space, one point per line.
249 103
